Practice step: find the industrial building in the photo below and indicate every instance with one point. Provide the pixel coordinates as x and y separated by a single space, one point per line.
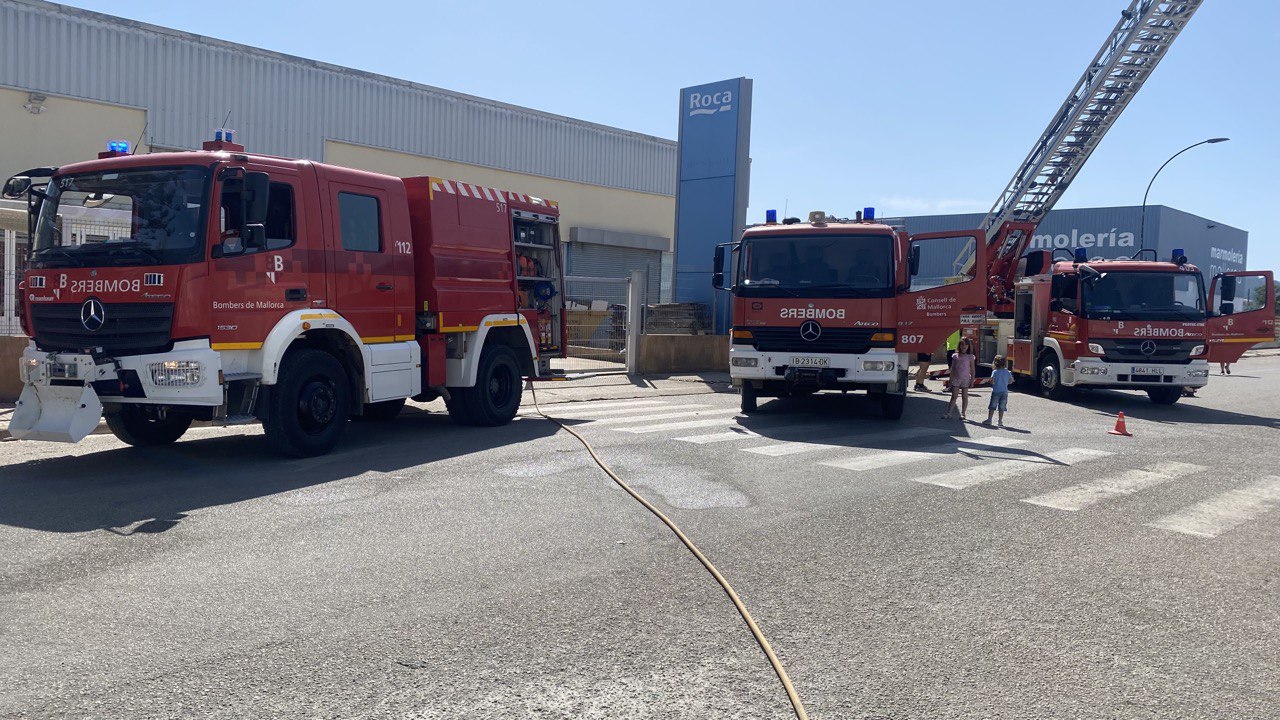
116 79
1112 232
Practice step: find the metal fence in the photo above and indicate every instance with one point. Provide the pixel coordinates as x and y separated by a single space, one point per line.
597 324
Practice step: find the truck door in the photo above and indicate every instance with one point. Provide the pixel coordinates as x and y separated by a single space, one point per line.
945 286
1242 313
362 261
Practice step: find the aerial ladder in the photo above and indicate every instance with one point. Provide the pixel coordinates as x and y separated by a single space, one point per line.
1146 30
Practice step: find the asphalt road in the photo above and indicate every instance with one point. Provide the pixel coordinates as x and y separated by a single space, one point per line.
919 569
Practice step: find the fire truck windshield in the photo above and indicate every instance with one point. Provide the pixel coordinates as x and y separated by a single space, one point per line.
149 216
1145 296
816 266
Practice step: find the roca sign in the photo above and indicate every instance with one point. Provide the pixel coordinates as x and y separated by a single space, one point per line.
710 103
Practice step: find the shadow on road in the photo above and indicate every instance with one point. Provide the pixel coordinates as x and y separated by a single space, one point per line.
117 488
1110 402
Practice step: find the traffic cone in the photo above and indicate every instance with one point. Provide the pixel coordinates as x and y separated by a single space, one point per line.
1120 429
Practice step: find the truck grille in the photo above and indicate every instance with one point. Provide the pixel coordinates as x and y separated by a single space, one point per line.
832 340
1130 350
127 328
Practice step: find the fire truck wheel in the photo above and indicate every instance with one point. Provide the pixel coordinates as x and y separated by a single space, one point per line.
495 398
136 426
309 404
748 397
1050 377
384 411
1164 395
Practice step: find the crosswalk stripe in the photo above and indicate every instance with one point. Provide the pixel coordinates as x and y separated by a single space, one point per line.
1005 469
640 419
574 408
793 448
1081 496
1224 512
589 414
742 433
903 457
683 425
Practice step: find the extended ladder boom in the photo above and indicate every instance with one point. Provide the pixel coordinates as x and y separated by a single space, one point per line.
1132 50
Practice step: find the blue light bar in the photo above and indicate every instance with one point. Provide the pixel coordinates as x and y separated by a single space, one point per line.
771 216
1082 255
868 213
1177 253
119 146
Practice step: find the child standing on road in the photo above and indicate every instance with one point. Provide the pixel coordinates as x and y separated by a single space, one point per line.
962 367
1000 378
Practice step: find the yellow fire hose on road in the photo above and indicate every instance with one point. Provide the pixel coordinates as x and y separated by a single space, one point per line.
781 672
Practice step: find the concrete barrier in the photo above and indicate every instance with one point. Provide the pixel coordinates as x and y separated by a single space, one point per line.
683 353
11 347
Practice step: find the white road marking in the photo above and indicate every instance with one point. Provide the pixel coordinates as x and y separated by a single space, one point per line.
742 433
572 408
591 413
639 419
1081 496
1005 469
903 457
684 425
1224 512
793 448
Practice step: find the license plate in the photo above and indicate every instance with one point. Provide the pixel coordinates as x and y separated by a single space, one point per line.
1139 370
810 362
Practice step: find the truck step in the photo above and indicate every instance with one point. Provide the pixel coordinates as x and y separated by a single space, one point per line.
240 377
240 420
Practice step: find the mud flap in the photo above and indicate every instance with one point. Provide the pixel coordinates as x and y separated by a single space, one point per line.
56 413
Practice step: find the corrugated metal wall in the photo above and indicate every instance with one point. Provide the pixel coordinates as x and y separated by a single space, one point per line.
592 260
288 106
1114 232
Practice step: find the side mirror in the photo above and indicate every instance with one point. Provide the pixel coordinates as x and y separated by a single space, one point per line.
913 260
16 187
1228 292
717 269
255 236
256 190
1055 306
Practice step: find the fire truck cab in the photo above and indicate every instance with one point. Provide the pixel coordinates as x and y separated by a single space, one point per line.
842 304
1128 324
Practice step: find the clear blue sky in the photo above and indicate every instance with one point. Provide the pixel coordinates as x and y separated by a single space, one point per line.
915 108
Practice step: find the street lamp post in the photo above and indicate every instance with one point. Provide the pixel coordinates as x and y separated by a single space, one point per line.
1142 229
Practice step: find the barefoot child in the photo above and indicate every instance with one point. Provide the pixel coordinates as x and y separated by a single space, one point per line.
1000 378
962 367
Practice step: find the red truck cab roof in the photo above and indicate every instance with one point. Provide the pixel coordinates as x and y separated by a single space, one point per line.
1063 267
830 228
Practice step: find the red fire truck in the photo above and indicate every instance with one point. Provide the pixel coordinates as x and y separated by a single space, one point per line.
232 287
1133 323
840 305
1124 323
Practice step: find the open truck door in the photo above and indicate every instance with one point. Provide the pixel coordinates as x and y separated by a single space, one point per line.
945 287
1242 313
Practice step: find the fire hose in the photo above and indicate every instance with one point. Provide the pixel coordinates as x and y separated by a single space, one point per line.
706 563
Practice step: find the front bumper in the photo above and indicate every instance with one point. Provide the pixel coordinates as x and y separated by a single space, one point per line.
63 392
1094 372
845 368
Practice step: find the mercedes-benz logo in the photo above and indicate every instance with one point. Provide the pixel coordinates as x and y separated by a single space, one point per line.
810 331
92 315
1148 347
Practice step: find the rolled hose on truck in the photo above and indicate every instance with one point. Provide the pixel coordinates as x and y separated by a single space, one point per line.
796 704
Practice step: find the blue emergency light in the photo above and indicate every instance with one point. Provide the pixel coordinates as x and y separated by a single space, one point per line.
1179 256
118 146
868 213
771 216
1082 255
223 134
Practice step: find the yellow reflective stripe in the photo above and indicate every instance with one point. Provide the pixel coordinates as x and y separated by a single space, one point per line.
321 316
503 323
1248 340
400 338
377 340
1062 336
460 328
236 346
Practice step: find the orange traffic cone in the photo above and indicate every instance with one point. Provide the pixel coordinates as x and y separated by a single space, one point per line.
1120 429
